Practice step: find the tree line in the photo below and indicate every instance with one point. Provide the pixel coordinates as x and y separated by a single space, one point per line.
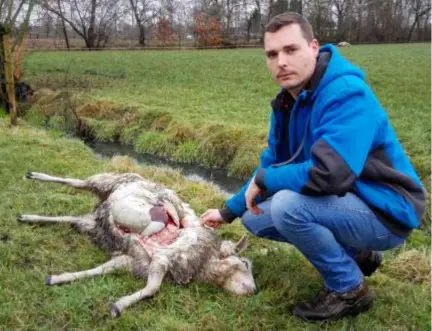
215 22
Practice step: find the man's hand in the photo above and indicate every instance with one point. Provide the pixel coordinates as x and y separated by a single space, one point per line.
251 193
212 218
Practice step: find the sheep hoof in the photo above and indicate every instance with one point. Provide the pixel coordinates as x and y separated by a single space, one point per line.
29 175
20 218
115 311
48 281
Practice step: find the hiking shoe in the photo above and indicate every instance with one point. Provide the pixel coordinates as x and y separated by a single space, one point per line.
368 261
329 305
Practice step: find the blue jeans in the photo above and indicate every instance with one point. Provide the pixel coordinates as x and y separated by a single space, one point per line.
329 231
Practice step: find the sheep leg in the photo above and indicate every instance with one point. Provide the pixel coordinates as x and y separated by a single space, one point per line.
51 219
76 183
118 262
156 274
82 224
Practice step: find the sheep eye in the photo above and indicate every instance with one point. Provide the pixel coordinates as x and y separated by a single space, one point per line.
246 263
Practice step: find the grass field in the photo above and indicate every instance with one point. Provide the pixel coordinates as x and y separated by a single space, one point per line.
29 253
209 107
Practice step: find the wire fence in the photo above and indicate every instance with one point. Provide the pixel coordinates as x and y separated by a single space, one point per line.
190 48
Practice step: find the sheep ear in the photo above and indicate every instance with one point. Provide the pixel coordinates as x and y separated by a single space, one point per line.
241 245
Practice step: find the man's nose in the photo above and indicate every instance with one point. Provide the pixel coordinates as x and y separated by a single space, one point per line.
282 61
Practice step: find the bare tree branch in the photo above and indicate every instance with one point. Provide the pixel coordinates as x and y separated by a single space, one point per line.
144 12
60 14
24 25
13 20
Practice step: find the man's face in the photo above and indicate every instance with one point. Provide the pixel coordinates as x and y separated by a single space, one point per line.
290 57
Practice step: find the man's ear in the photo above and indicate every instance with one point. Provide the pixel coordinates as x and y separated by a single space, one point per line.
314 44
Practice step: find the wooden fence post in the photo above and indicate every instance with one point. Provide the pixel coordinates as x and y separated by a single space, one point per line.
2 74
10 84
8 74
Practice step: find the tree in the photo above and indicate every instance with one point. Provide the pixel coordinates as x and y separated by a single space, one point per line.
279 7
259 15
47 22
164 31
63 24
419 8
254 24
228 11
144 12
179 13
15 17
340 9
319 15
92 20
296 6
208 30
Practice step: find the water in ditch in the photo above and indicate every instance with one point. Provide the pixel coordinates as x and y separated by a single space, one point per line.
219 177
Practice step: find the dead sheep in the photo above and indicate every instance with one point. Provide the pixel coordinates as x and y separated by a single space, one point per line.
148 230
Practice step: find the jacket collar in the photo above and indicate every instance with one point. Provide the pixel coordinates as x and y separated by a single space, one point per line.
284 101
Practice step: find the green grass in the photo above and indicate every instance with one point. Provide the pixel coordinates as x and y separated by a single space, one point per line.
29 253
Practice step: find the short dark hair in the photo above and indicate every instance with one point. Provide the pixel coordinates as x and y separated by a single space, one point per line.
288 18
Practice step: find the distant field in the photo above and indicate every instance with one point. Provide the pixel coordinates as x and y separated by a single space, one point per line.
213 106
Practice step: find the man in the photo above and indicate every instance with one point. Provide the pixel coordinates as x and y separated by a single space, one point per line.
334 181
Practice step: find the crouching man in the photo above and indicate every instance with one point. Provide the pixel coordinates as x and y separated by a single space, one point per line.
334 180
